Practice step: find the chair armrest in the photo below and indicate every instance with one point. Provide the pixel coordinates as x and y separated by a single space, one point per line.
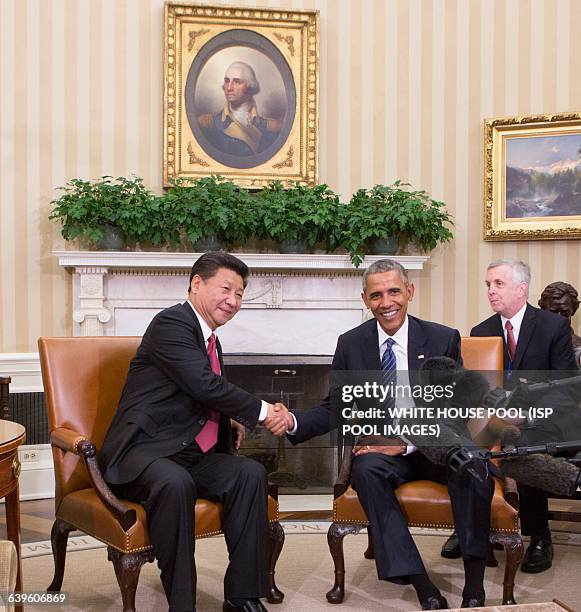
67 439
74 442
344 477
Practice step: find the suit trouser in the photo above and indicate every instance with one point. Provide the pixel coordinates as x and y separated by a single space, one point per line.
534 510
167 489
375 477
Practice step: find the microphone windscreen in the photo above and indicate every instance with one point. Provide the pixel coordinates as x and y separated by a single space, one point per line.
551 474
435 370
438 449
469 390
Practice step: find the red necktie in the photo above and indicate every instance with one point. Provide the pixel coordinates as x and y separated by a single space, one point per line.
208 435
510 343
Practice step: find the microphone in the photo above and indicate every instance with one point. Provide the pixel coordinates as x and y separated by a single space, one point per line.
439 451
473 460
551 474
524 464
471 389
445 371
434 370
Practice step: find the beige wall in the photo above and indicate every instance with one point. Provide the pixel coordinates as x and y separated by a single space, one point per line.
404 87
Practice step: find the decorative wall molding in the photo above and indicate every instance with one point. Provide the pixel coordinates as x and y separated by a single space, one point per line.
266 292
37 475
316 296
255 261
24 369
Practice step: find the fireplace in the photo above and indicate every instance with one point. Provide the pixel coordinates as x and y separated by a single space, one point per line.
300 382
282 340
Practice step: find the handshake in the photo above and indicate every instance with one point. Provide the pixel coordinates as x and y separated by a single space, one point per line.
278 420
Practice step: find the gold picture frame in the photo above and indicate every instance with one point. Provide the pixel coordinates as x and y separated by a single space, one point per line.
241 90
532 177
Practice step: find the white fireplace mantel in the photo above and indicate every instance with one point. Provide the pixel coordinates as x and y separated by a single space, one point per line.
255 261
294 304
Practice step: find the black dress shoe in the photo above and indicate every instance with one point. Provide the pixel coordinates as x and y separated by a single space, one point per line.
250 605
451 548
473 602
539 555
435 602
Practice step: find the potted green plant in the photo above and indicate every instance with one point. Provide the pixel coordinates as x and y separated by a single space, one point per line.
393 214
163 224
212 211
104 211
299 216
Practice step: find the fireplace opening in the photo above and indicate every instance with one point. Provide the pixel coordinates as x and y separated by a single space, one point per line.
300 382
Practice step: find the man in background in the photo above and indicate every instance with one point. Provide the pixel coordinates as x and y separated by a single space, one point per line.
533 340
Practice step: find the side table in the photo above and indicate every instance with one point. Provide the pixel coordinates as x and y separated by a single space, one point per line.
12 435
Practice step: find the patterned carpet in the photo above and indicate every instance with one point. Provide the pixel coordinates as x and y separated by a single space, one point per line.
304 573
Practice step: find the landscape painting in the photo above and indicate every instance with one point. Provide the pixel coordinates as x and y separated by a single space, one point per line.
532 177
543 176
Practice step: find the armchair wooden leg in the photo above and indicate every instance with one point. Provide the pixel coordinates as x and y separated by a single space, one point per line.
59 537
369 554
512 543
127 567
276 535
337 531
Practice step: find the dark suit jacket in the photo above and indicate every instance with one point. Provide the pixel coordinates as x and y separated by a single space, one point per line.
358 350
165 401
544 345
544 340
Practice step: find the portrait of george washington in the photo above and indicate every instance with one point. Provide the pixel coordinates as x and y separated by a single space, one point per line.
240 99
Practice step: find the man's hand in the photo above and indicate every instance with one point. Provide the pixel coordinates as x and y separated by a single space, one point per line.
278 419
290 422
240 432
381 445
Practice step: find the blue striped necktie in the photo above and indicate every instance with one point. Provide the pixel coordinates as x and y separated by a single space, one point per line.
389 371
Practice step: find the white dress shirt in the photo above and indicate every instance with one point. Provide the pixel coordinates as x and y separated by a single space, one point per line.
400 350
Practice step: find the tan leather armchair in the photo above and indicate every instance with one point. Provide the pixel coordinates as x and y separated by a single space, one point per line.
83 379
426 503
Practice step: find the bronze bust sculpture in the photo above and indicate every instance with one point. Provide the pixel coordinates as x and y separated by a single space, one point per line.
562 298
